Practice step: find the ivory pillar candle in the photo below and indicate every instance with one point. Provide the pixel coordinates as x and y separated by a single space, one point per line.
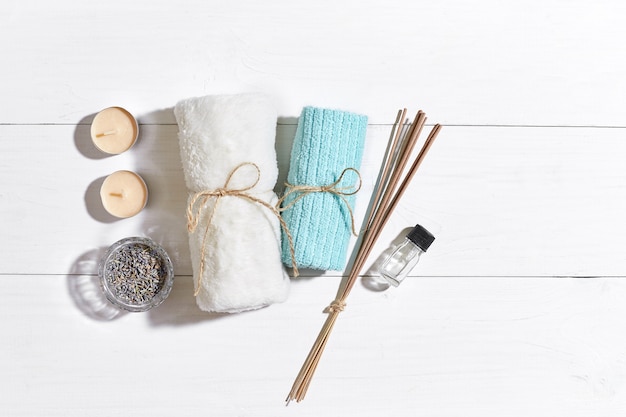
124 194
114 130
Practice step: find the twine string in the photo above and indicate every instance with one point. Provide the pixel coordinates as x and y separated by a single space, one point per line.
194 211
337 306
333 188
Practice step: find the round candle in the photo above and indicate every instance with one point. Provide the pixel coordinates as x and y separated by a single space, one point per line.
114 130
124 194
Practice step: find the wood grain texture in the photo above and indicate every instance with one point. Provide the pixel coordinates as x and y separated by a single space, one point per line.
500 201
488 346
524 191
538 62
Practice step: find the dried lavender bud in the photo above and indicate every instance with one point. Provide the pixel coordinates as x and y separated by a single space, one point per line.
135 273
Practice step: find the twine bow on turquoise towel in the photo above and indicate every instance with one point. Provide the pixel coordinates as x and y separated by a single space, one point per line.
332 188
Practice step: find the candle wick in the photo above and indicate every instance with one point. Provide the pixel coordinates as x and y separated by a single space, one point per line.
107 133
116 195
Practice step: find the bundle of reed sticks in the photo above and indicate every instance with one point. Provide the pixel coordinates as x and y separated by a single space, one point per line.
391 184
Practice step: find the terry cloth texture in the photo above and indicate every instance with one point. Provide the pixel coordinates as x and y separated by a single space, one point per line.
327 141
242 267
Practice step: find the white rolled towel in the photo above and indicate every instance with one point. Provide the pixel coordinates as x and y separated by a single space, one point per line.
229 161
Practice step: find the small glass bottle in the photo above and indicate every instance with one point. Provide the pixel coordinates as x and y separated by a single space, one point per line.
404 258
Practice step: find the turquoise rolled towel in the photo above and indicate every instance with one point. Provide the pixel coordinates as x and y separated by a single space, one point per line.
326 143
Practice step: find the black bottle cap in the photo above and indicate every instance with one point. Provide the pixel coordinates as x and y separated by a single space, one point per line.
421 237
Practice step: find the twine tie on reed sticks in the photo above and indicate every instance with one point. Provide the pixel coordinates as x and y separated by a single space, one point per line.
333 188
337 306
194 211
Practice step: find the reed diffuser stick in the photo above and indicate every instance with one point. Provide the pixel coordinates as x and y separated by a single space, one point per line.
385 198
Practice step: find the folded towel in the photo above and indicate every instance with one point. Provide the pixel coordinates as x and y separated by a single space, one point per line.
235 247
326 143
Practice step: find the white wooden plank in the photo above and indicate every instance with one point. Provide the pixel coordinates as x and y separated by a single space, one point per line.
500 201
526 201
540 62
435 346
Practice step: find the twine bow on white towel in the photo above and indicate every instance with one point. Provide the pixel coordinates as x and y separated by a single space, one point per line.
198 202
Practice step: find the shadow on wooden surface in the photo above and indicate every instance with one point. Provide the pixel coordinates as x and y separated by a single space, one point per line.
84 288
93 203
83 142
180 309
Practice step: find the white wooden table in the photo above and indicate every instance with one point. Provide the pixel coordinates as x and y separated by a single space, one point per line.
518 308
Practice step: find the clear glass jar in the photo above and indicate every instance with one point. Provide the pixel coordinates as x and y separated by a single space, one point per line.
136 274
403 259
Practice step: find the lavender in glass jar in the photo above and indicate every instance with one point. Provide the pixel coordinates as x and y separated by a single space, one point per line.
136 274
